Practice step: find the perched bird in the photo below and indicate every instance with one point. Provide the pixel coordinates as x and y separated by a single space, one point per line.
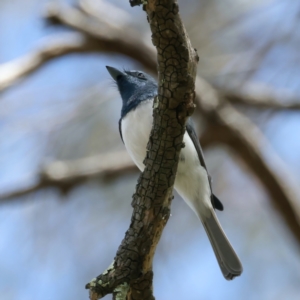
192 182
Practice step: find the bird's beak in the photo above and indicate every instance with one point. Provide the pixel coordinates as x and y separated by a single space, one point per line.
114 73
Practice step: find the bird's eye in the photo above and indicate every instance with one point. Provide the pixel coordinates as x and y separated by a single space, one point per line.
141 76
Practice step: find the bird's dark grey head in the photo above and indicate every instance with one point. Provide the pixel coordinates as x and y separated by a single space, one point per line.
134 87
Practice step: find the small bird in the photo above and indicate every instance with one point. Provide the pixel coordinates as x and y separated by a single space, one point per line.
192 182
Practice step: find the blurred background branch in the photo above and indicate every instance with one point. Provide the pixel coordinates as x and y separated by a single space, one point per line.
64 175
50 48
262 99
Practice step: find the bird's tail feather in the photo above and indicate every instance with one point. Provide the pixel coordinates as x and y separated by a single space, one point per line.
229 262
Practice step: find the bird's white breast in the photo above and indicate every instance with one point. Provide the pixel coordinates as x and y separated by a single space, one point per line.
191 179
136 127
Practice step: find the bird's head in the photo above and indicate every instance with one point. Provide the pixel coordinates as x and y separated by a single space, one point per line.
133 85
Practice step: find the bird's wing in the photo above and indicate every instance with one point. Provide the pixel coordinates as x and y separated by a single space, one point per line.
120 129
192 134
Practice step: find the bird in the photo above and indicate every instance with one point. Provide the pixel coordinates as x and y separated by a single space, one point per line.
192 182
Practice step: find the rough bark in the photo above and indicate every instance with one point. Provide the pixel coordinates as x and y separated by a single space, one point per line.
130 276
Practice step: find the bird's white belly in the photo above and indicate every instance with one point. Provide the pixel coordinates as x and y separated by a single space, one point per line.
191 179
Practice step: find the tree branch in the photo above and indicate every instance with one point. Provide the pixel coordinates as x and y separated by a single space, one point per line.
132 267
91 39
244 138
106 34
66 174
263 100
250 144
56 46
105 12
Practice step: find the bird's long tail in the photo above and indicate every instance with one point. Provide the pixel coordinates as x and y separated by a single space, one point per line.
229 262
